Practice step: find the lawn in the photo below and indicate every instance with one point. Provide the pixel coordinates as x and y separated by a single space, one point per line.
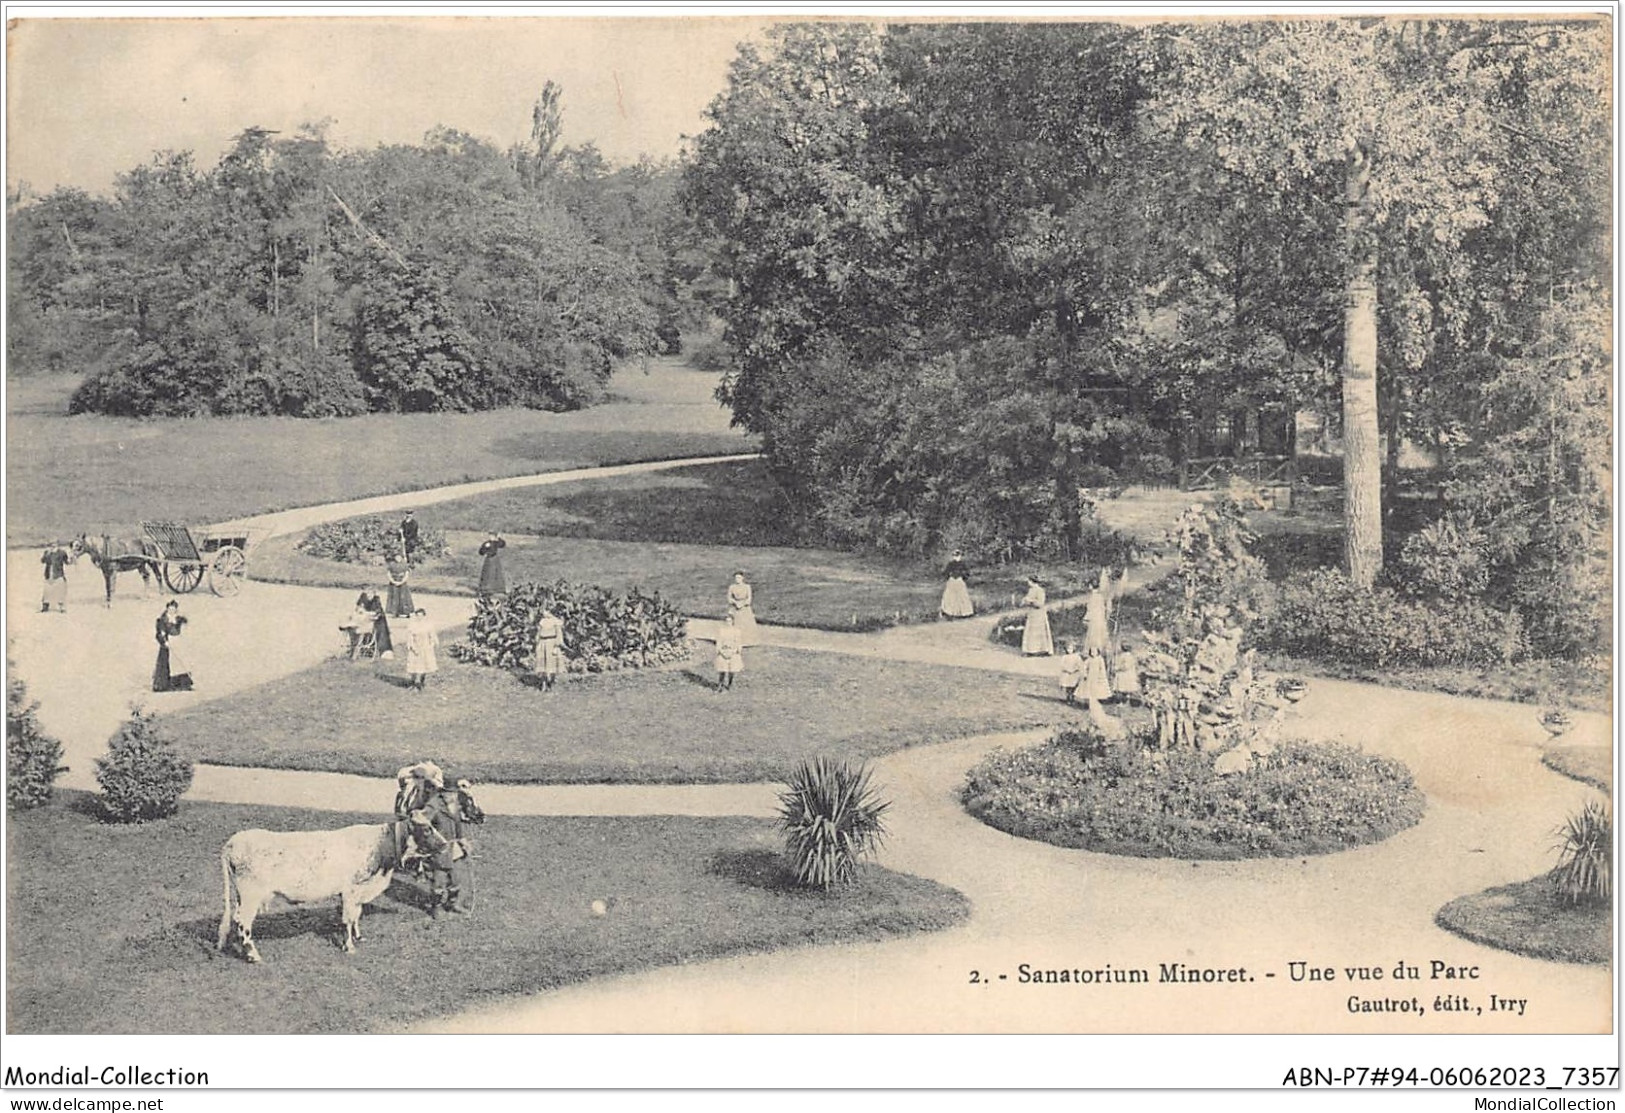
818 588
1592 765
734 504
654 726
112 929
93 473
1529 918
682 534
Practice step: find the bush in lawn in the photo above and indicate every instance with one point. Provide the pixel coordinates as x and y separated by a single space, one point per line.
1585 870
1323 615
33 758
1302 798
831 816
603 631
142 777
370 540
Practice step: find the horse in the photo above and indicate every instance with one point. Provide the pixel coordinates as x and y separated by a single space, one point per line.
121 554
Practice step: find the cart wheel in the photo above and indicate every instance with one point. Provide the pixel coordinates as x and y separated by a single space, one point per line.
229 570
182 578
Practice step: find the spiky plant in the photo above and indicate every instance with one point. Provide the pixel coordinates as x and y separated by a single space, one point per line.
831 816
1585 868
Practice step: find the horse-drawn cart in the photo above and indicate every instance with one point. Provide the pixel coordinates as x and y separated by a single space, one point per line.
186 559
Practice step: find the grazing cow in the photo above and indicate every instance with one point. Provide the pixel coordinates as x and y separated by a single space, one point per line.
354 864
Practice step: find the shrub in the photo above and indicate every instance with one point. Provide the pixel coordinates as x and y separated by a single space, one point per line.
1323 615
603 631
370 540
142 777
1585 868
831 817
33 758
1445 560
711 354
1300 799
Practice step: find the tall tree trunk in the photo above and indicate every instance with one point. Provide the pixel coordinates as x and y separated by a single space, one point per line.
1362 452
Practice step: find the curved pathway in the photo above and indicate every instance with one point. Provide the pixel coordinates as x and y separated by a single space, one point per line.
1490 819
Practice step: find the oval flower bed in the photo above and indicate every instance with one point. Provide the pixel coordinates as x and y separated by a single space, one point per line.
603 630
1305 798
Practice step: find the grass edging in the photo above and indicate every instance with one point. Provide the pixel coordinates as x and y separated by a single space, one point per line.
1529 918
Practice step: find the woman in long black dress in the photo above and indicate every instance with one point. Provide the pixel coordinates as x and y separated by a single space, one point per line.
492 579
171 673
398 598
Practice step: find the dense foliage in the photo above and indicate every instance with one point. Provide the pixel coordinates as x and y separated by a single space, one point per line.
974 268
370 540
831 815
1323 615
33 758
142 776
295 278
1300 799
603 631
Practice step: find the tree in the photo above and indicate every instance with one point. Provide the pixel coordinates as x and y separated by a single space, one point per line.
1406 117
295 279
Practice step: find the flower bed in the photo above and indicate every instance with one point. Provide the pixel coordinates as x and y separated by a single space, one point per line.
369 540
1303 798
604 631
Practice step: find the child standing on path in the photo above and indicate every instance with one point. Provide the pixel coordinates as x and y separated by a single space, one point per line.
1071 672
549 647
1097 687
1126 675
420 649
730 654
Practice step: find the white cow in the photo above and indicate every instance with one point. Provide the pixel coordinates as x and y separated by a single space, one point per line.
354 864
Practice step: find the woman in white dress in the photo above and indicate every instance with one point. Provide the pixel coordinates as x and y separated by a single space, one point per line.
956 601
1096 636
1036 640
740 609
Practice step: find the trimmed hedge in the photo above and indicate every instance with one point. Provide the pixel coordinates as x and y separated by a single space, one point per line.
369 540
603 631
1303 798
1322 615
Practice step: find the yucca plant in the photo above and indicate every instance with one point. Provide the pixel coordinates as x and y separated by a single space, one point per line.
1585 867
831 815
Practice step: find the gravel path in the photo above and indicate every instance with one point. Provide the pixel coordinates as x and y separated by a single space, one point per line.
1492 810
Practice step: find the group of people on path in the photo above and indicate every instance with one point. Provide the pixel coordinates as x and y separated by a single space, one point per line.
1093 672
374 613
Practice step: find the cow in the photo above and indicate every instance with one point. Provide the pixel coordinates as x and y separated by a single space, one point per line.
355 864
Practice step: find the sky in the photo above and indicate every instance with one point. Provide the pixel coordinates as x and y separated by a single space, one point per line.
90 98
